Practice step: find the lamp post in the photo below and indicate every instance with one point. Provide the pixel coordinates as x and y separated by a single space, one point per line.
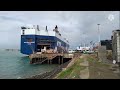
119 20
98 33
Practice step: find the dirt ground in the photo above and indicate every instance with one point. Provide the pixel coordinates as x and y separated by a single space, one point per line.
101 70
89 67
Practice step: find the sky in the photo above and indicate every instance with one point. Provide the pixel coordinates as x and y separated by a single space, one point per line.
77 26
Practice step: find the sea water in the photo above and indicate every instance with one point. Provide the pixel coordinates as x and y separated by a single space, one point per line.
14 65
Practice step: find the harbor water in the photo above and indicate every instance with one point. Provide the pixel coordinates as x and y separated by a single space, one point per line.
14 65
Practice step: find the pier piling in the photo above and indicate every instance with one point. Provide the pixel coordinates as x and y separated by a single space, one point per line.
62 60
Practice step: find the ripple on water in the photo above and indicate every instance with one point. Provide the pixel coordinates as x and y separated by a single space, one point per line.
14 65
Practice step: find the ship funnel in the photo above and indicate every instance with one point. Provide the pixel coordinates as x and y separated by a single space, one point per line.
46 28
38 27
56 27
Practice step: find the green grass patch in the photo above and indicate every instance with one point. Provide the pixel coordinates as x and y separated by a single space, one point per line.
65 73
76 72
73 71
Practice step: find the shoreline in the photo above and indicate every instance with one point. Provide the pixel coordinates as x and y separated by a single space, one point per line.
50 74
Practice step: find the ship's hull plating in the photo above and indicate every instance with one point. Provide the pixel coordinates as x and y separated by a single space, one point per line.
33 43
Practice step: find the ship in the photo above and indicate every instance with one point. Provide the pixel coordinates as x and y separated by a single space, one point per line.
36 40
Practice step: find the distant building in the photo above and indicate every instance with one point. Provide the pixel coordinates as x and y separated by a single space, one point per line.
107 43
71 51
83 48
116 45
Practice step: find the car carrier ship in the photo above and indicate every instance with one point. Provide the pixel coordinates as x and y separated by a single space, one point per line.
34 40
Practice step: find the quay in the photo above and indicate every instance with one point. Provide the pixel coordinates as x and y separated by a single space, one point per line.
51 58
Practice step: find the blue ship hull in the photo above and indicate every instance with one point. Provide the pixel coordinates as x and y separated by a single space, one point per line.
33 43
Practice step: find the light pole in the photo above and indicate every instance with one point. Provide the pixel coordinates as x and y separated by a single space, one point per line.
119 20
98 33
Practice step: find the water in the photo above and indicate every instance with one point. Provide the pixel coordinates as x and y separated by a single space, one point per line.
14 65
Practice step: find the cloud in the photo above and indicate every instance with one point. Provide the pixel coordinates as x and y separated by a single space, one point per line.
10 18
77 26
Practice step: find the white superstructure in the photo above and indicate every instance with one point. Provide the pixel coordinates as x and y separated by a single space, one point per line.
35 30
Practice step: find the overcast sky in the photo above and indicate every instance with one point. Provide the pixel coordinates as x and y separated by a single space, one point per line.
76 26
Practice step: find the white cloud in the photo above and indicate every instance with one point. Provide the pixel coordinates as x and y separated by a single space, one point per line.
72 24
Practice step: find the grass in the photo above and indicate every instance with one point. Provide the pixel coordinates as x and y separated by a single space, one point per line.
73 71
65 73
